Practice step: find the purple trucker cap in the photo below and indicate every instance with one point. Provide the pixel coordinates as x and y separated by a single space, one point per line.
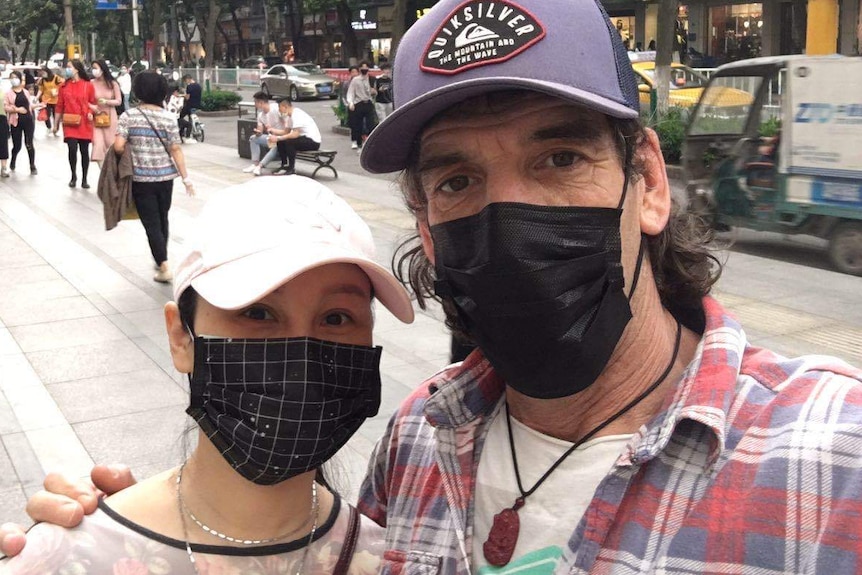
459 49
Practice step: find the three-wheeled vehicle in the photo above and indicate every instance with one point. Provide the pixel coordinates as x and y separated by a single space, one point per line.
789 160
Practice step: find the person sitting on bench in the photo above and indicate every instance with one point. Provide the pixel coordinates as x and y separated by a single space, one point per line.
300 134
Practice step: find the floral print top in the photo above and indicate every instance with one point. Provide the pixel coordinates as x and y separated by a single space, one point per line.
106 543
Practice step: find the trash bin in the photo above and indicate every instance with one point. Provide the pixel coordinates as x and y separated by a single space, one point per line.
245 128
244 131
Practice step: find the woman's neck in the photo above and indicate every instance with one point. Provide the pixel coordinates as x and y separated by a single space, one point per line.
225 501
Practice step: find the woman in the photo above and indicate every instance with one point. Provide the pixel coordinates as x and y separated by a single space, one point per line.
4 136
21 121
75 106
291 300
49 89
154 139
108 97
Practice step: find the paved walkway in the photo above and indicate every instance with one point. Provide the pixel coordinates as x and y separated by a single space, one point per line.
85 373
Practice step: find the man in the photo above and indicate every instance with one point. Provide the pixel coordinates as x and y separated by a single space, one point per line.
193 102
125 82
359 103
288 56
614 419
268 119
383 89
300 133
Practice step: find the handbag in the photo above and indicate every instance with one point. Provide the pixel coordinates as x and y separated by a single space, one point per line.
71 119
102 120
42 115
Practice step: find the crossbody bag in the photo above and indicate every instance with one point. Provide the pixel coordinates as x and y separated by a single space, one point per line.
159 136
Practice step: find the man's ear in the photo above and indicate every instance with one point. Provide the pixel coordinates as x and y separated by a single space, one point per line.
656 197
425 236
181 342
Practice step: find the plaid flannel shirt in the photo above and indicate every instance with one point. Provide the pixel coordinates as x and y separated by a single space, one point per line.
753 465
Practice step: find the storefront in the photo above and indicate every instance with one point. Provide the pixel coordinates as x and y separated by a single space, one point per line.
735 32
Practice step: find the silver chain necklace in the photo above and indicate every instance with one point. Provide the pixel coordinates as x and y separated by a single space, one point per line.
314 516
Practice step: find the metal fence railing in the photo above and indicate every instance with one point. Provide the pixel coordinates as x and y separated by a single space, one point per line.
224 77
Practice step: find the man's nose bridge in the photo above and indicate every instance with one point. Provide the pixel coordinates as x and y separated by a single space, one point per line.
507 185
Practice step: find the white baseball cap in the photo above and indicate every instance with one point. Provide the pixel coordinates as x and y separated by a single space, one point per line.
251 238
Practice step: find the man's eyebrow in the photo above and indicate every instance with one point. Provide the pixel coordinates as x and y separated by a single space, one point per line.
578 131
434 161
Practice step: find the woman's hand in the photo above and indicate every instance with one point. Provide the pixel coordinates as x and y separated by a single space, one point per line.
190 187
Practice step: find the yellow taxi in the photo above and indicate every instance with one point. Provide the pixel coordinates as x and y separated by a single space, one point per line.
686 85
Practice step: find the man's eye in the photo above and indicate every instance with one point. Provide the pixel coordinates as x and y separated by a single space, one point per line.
258 313
562 159
456 184
336 318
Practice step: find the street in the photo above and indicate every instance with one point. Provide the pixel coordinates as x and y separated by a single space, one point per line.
85 370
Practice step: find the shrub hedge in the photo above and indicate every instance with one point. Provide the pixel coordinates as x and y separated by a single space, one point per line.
214 100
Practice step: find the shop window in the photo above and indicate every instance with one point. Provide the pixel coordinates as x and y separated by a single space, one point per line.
735 32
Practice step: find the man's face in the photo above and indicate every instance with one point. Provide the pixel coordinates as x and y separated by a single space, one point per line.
363 69
532 149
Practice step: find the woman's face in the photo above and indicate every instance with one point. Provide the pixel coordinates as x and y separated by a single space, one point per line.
331 302
70 71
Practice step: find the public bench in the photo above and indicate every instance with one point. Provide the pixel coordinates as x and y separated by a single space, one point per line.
323 159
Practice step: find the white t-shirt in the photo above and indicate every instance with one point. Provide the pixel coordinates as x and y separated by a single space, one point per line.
301 121
271 119
552 513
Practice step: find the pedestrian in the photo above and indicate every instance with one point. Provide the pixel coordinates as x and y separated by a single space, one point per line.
4 134
383 92
49 89
76 103
125 82
359 102
614 418
268 119
108 97
22 123
300 133
157 158
194 95
271 310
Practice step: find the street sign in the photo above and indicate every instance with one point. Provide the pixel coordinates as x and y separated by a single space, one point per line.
113 4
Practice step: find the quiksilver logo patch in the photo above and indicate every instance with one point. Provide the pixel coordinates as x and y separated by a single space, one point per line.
480 33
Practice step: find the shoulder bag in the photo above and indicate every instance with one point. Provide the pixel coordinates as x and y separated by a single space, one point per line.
159 136
349 545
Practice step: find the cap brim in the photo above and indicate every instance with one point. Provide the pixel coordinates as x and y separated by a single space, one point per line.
243 281
388 147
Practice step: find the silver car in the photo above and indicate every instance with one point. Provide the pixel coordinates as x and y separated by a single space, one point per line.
298 81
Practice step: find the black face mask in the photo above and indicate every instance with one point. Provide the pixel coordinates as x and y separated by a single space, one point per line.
276 408
364 72
540 290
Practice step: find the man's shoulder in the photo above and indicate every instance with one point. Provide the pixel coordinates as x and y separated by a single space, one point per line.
785 375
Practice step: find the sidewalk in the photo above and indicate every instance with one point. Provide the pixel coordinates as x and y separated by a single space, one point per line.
85 372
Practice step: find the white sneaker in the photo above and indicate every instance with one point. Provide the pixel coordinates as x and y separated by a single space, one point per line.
354 146
250 169
256 171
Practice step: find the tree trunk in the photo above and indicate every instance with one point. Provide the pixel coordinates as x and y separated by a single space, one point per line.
155 30
214 13
399 25
349 44
23 55
666 28
241 47
38 43
53 42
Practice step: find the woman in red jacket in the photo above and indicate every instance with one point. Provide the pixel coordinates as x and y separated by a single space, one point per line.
75 107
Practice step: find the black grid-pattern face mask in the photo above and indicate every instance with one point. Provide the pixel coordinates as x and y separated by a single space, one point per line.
276 408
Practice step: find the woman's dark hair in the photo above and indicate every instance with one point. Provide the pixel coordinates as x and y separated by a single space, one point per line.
49 73
106 72
150 87
79 67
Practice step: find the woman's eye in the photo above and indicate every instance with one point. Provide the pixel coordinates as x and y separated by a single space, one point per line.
456 184
562 159
336 319
258 313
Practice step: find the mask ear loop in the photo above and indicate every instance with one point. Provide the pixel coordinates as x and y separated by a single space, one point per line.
627 167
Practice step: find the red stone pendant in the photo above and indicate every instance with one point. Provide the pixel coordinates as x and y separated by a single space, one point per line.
503 536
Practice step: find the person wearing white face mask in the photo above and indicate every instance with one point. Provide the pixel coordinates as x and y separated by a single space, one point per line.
20 111
125 82
49 89
75 111
108 97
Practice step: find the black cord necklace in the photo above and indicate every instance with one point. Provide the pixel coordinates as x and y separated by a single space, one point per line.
503 537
